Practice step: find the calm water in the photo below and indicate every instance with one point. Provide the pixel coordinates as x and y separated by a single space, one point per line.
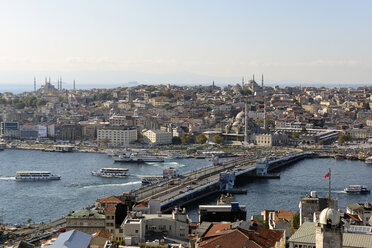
44 201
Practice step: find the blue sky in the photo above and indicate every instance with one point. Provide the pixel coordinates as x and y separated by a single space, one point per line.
180 42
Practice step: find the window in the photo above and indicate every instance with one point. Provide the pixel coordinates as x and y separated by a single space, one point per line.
136 231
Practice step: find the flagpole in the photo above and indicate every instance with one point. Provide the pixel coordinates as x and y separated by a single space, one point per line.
329 189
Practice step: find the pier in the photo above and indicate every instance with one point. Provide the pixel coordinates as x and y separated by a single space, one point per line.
201 183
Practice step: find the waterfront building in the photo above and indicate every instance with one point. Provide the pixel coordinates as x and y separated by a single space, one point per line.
85 220
10 130
268 140
157 137
117 135
311 203
73 238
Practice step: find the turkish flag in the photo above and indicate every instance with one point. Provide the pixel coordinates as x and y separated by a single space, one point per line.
327 175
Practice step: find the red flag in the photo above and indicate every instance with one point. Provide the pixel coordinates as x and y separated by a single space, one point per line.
327 175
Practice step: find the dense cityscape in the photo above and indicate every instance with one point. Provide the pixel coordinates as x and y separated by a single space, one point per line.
260 128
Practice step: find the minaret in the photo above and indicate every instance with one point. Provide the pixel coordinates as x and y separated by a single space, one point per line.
242 82
58 85
246 124
263 95
253 77
49 80
34 84
74 84
46 81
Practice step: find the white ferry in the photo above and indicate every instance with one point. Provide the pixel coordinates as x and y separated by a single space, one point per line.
137 158
36 176
356 189
369 160
111 172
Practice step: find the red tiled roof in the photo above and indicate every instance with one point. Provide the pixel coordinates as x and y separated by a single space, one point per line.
102 233
110 209
109 199
236 238
218 229
285 214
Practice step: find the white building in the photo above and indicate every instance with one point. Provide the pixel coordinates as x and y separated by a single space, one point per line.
117 136
157 137
136 224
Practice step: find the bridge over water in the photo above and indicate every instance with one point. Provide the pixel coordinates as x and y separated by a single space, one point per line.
200 183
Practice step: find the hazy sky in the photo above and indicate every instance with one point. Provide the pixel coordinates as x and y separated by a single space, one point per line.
189 41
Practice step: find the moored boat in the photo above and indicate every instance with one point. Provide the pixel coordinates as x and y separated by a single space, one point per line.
111 172
356 189
36 176
368 160
137 158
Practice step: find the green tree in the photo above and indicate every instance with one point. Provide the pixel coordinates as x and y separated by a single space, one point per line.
303 130
176 140
20 105
41 102
295 135
343 138
201 139
217 139
29 220
167 93
296 220
186 139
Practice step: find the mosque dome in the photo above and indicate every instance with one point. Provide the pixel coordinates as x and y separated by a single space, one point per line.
239 116
329 215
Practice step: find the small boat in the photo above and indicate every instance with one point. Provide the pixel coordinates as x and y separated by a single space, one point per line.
356 189
368 160
340 156
138 158
36 176
2 146
111 172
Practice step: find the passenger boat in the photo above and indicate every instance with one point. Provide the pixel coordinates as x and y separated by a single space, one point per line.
368 160
2 146
137 158
36 176
356 189
111 172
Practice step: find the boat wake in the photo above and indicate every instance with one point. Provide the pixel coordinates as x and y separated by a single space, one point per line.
339 192
111 185
7 178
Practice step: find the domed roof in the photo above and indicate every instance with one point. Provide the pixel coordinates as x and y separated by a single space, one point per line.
240 115
329 214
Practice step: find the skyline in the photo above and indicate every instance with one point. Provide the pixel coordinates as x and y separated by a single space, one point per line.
186 42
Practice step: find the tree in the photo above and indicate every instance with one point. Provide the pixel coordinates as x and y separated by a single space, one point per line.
295 135
343 138
167 93
186 139
217 139
303 130
176 140
29 220
105 141
201 139
296 220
